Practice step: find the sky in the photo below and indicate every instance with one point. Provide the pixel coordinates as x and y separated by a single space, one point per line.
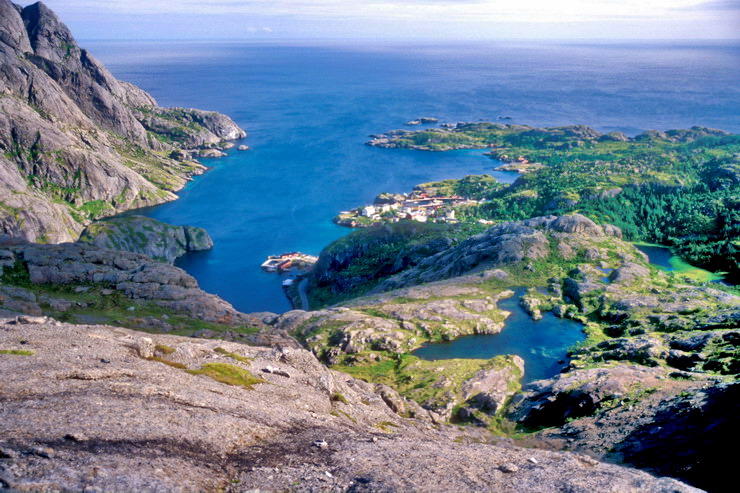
400 19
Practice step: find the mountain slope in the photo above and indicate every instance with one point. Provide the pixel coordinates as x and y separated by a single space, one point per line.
102 408
75 142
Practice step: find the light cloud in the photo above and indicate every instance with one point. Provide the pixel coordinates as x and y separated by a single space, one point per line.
716 5
512 10
638 17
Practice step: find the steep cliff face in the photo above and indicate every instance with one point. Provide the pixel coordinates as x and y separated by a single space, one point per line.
76 143
355 263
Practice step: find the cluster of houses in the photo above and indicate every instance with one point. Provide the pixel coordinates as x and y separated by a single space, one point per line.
417 206
286 261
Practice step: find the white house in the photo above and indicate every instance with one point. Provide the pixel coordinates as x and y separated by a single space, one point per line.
368 211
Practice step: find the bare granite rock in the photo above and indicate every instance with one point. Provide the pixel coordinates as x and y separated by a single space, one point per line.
490 389
77 144
668 426
84 411
137 276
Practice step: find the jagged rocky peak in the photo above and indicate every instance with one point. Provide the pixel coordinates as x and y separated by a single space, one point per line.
77 144
12 31
85 80
49 37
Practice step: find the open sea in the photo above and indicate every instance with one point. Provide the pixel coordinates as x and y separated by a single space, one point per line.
309 109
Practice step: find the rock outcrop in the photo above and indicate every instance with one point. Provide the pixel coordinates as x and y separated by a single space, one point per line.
402 244
76 143
75 268
103 408
580 393
639 416
490 389
506 244
139 234
392 327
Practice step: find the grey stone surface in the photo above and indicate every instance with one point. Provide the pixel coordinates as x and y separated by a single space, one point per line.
136 276
86 412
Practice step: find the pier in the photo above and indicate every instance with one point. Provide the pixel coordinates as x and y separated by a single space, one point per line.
287 261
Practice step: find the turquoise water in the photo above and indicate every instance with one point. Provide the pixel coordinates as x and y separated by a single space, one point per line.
664 258
542 344
309 109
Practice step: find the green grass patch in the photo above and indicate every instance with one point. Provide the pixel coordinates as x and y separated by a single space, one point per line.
387 426
17 352
161 348
234 356
337 397
228 374
17 274
173 364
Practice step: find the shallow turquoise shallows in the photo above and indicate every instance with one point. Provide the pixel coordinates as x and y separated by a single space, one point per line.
542 344
309 109
664 258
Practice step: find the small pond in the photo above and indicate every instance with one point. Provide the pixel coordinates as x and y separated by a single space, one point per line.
542 344
663 258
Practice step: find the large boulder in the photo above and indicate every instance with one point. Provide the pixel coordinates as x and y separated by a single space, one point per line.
629 272
490 389
688 437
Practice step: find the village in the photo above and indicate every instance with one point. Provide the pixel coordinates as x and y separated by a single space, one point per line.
415 206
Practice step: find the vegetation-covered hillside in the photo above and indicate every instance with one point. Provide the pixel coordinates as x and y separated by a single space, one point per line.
680 188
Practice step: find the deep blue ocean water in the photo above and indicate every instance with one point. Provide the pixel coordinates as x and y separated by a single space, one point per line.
542 344
309 109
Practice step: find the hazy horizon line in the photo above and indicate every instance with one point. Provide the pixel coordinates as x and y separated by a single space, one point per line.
418 39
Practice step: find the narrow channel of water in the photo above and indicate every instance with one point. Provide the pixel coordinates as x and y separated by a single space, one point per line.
542 344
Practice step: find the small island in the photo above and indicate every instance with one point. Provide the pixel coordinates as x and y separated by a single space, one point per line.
425 120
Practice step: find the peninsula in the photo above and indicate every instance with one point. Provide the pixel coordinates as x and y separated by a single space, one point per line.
677 187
